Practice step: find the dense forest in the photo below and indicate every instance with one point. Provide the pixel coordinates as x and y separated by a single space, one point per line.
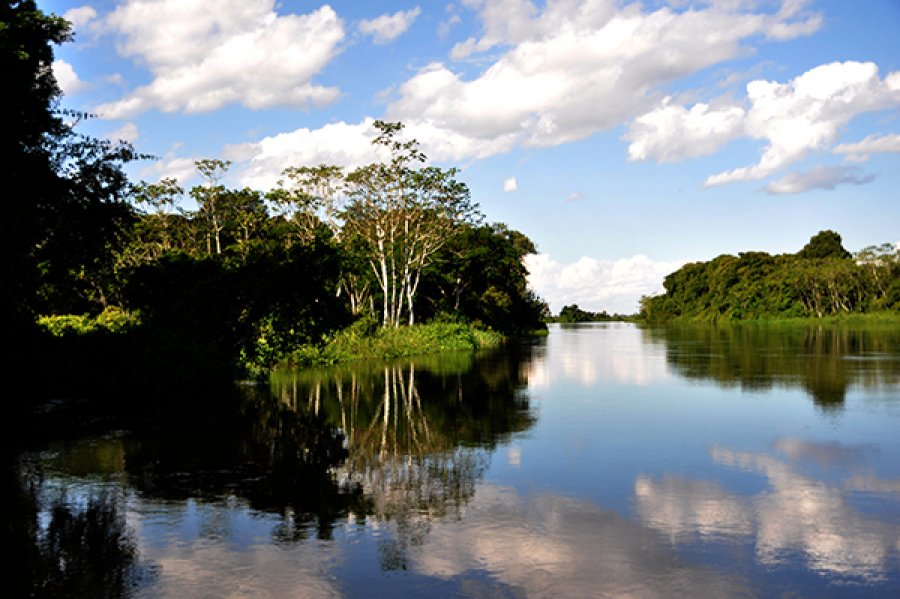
154 274
822 279
572 313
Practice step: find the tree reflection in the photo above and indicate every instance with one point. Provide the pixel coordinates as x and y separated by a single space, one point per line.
68 543
403 443
277 459
824 361
415 432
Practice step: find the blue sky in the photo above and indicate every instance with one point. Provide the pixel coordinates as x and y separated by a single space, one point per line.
623 138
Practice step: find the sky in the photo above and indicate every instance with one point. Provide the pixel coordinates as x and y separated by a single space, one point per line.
623 138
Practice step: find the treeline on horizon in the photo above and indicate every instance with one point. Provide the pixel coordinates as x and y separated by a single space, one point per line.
572 313
100 269
823 279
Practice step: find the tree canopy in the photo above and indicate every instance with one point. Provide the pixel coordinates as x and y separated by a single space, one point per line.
822 279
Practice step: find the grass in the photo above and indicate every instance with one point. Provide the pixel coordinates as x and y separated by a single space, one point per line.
361 341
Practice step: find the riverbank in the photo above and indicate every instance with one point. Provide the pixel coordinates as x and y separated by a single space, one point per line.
364 342
853 319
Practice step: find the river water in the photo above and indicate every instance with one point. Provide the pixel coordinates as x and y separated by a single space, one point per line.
602 460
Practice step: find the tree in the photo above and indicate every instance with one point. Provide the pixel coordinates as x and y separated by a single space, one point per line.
479 275
63 192
403 213
208 199
824 244
309 195
31 125
158 200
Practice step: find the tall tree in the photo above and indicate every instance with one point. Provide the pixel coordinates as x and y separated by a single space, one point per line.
63 192
31 125
403 213
209 199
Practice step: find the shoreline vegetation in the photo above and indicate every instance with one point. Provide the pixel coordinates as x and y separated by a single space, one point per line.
859 319
821 281
362 341
146 287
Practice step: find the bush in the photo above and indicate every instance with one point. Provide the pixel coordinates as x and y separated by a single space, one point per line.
112 320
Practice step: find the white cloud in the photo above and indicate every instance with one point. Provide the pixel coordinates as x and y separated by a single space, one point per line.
339 143
387 28
569 69
127 132
562 73
205 55
671 133
612 285
510 185
859 151
172 166
67 78
795 118
806 113
820 177
80 17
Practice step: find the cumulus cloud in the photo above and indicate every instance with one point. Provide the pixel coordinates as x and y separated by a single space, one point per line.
339 143
806 113
794 118
206 55
67 78
571 68
820 177
387 28
670 133
873 144
612 285
172 166
80 17
510 185
127 132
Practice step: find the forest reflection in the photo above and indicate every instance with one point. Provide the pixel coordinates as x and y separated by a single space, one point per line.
417 434
824 361
404 443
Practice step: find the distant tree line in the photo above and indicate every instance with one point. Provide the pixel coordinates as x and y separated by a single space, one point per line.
572 313
822 279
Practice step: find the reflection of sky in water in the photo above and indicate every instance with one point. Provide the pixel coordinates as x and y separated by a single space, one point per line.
796 513
597 353
634 481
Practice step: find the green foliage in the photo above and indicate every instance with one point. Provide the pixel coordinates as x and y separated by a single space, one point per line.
824 244
361 341
572 313
479 276
112 320
819 281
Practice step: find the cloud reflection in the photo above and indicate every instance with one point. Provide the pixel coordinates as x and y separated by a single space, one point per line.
201 563
594 353
554 546
795 514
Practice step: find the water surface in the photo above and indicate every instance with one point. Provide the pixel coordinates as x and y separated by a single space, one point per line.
604 460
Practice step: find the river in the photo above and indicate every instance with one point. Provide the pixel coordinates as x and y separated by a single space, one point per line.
602 460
